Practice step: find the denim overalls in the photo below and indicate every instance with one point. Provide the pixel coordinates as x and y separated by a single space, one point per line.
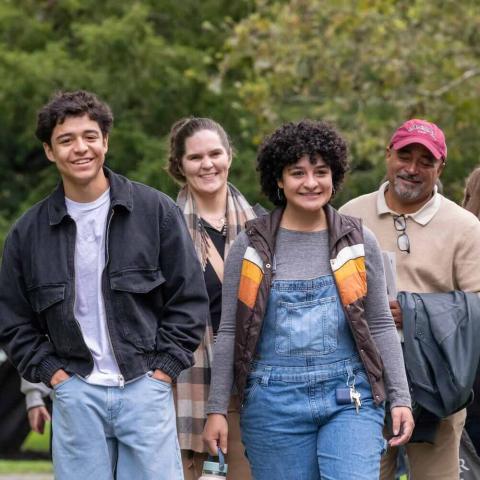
292 426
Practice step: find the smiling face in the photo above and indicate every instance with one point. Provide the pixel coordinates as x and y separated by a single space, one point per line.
412 172
78 149
307 188
206 163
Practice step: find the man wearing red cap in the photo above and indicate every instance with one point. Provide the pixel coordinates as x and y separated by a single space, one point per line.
436 246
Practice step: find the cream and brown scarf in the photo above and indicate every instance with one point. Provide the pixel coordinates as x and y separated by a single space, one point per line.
192 387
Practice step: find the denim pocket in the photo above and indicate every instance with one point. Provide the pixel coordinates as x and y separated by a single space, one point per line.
362 384
59 385
165 385
249 391
307 328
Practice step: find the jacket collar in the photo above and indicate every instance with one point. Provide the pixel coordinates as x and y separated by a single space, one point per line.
267 226
338 225
120 195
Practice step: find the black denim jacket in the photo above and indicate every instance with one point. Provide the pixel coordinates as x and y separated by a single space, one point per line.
155 298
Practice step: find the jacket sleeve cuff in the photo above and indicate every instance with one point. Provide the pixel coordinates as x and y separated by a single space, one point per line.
167 364
47 368
400 403
34 399
216 409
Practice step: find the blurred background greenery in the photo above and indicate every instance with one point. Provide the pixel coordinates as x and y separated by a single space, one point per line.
365 65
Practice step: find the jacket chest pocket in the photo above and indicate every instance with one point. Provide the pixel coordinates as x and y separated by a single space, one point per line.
137 301
48 302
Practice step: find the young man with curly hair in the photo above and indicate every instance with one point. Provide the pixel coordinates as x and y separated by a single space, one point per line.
102 298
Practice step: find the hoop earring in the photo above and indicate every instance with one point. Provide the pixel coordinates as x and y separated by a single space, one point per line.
279 194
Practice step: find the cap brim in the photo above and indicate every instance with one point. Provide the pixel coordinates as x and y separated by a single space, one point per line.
422 141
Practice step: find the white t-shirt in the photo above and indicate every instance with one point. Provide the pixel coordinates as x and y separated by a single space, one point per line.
89 310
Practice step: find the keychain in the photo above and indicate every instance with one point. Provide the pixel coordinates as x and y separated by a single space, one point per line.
349 394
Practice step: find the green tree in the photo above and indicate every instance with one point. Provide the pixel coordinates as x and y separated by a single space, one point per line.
151 61
251 64
366 66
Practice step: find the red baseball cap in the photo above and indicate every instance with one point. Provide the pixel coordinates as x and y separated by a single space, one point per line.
423 132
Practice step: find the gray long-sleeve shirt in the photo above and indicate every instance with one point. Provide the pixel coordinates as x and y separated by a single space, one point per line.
303 256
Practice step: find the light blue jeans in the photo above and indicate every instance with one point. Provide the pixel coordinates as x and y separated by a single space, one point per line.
292 426
98 430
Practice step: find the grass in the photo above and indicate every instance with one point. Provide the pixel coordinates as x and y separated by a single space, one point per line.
25 466
34 443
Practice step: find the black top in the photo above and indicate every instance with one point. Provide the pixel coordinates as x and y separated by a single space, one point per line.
213 283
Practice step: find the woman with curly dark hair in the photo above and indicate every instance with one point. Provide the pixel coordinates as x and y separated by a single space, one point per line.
305 312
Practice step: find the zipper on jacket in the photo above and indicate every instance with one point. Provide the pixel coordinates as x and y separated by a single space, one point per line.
121 378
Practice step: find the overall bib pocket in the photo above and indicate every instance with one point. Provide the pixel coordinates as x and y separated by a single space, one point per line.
307 328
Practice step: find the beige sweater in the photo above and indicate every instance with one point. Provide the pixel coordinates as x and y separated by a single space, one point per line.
444 249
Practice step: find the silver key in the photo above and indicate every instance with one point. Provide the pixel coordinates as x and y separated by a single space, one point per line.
356 399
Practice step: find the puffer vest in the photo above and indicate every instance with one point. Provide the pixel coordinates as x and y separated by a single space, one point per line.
347 260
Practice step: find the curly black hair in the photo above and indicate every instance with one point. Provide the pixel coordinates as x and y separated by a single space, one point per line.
290 142
72 104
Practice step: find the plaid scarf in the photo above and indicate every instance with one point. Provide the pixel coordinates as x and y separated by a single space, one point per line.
192 387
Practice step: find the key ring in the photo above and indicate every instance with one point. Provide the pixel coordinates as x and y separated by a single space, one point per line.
350 378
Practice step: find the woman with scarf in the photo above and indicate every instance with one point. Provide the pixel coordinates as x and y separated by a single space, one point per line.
306 315
215 211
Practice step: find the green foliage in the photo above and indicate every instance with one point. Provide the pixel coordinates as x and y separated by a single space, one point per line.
26 466
251 64
151 61
366 66
36 442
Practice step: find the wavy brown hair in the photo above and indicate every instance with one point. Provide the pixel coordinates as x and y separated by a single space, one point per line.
183 129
